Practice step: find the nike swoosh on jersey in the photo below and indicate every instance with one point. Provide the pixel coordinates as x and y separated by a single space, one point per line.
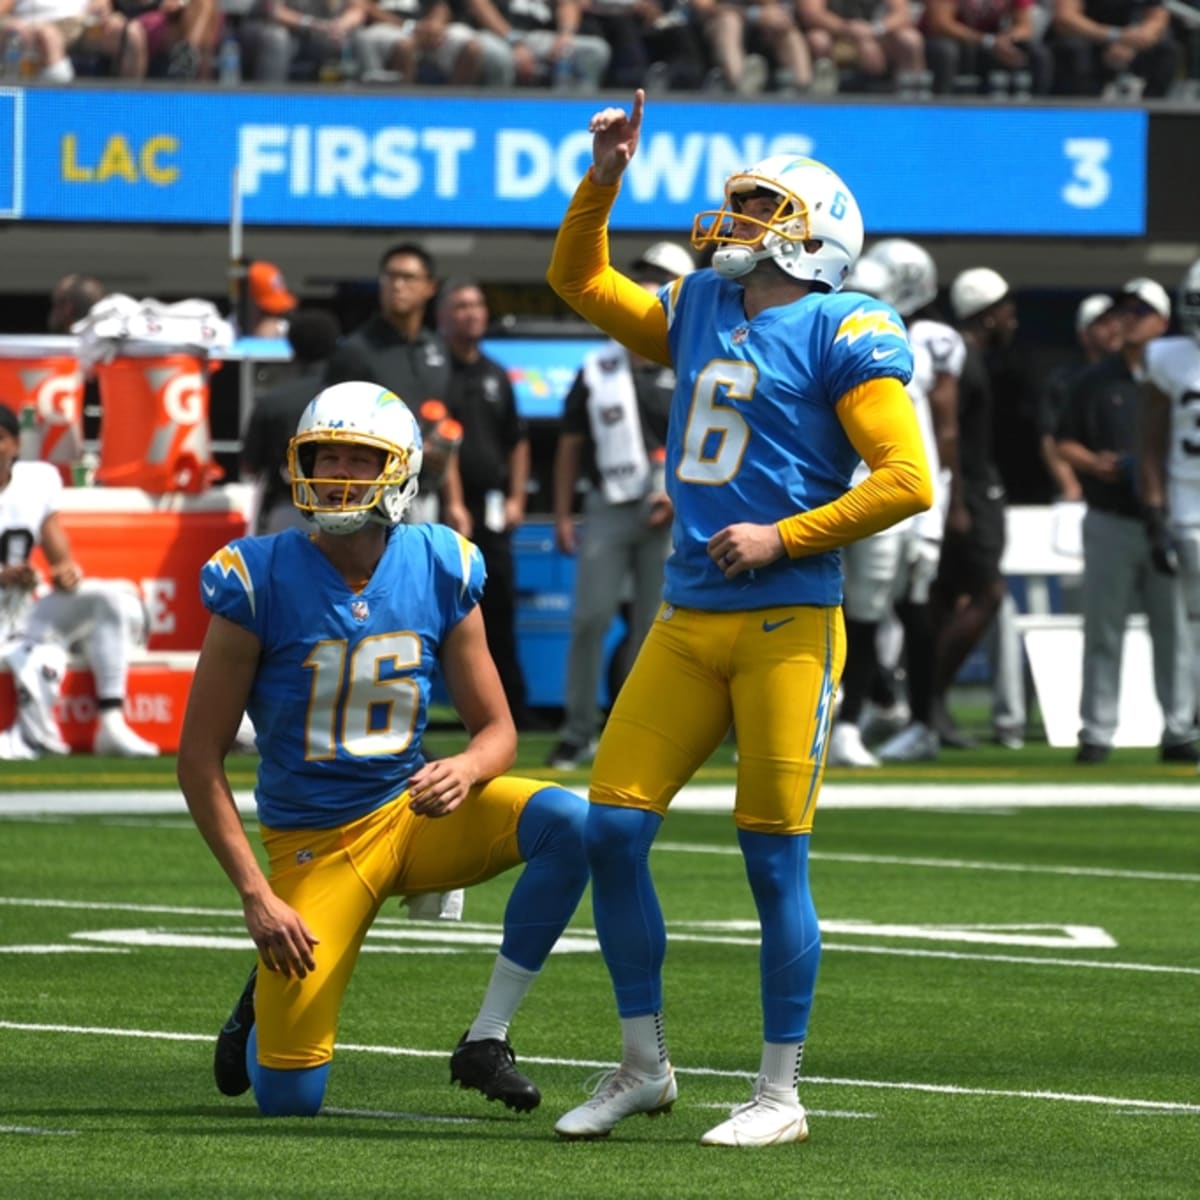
771 626
879 354
209 589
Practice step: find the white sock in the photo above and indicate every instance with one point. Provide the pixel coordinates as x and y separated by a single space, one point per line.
780 1069
644 1044
505 991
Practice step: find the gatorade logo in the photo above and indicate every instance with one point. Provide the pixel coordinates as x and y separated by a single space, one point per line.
57 399
184 397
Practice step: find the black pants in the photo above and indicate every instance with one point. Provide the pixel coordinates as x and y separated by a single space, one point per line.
1081 70
499 609
948 57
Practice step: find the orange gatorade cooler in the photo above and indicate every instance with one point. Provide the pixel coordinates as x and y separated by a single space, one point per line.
43 373
154 430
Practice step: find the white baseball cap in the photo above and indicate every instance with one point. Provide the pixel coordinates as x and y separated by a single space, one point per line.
1091 309
667 257
974 290
1148 292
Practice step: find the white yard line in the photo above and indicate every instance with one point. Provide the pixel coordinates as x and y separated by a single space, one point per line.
950 864
943 1089
712 798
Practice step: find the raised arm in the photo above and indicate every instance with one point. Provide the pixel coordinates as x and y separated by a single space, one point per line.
580 270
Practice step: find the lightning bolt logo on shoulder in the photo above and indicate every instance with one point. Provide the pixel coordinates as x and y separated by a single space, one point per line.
867 322
229 561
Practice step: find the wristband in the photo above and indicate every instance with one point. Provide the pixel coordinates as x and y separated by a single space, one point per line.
512 37
1113 35
987 41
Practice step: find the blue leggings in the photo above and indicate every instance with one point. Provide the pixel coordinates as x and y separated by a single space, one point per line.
633 936
543 901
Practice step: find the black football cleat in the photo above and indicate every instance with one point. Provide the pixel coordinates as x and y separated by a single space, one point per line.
229 1059
489 1066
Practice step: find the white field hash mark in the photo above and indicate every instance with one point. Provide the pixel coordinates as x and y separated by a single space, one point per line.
941 1089
467 937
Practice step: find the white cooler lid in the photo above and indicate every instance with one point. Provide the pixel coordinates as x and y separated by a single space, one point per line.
37 345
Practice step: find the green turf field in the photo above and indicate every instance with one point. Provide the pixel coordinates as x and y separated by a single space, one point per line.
1007 1006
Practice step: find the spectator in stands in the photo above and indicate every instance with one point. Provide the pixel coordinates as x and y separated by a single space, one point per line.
51 36
653 44
40 624
486 487
544 43
1098 436
613 434
1100 44
305 39
1099 330
877 39
71 300
745 40
181 36
312 334
994 42
411 41
269 301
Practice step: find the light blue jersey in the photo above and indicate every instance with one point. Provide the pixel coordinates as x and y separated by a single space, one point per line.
772 382
341 695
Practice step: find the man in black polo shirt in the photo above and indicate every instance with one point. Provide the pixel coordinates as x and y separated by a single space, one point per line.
393 347
1097 436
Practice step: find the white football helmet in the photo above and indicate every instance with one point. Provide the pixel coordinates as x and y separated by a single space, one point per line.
1189 301
815 233
913 270
364 414
872 278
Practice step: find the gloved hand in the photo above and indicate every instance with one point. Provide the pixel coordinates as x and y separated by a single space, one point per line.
923 556
1163 552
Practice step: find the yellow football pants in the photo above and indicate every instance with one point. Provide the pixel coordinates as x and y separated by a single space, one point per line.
337 879
771 673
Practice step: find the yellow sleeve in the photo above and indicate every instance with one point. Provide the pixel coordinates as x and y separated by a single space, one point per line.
582 275
879 420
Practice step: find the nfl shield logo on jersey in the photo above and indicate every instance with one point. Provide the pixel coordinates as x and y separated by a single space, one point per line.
740 334
359 610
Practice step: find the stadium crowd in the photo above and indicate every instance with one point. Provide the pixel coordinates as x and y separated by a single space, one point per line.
1121 49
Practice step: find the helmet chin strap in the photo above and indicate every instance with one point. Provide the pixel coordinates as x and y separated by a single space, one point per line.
732 262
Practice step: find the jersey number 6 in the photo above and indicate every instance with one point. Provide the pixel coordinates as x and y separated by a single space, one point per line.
716 434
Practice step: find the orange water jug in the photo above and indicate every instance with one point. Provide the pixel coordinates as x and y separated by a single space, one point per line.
154 422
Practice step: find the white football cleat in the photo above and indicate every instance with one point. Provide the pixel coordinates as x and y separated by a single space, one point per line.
14 748
846 747
116 738
917 743
765 1120
618 1094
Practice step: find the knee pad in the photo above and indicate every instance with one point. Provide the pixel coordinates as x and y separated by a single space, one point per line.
549 811
610 828
290 1093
